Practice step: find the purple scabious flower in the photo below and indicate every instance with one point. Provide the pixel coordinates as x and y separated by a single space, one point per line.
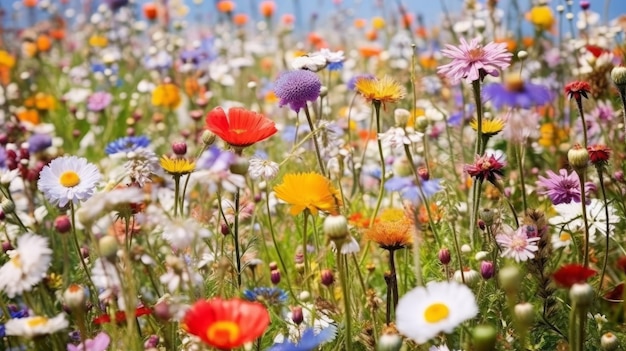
39 142
473 61
296 88
98 101
99 343
517 93
561 188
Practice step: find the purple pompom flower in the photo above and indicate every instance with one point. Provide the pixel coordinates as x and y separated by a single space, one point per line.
98 101
296 88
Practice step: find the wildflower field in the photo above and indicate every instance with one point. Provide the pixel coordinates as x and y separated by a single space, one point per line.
228 175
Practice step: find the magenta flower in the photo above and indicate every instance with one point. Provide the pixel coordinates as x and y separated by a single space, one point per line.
99 100
487 167
472 61
562 188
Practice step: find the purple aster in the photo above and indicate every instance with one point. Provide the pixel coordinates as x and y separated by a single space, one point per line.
561 188
472 61
409 190
98 101
39 142
98 343
516 93
296 88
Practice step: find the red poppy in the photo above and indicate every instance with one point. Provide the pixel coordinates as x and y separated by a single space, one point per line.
226 324
120 316
598 154
571 274
241 127
577 89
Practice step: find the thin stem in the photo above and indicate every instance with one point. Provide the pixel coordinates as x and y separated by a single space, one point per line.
176 193
583 203
394 277
479 147
622 95
343 276
383 170
280 257
459 255
608 227
236 239
305 250
579 103
315 142
520 164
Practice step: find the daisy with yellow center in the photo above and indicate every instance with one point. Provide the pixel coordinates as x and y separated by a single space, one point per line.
27 265
491 127
177 166
385 90
31 327
424 312
68 178
308 191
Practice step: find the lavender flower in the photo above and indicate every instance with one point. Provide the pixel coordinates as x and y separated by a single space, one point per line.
98 101
296 88
99 343
472 61
39 142
516 93
561 188
409 190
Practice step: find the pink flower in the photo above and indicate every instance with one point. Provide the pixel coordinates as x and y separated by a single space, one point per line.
517 245
487 167
472 61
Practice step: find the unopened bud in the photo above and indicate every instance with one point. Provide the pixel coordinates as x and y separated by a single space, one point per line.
578 158
208 138
510 279
609 342
240 166
524 314
296 315
336 228
74 296
618 75
327 277
487 215
581 295
7 206
401 116
444 256
62 224
108 246
389 342
275 276
484 338
487 269
471 277
402 167
179 148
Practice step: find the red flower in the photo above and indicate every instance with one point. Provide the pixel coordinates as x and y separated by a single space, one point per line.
571 274
486 167
120 316
577 89
616 294
241 127
598 154
226 324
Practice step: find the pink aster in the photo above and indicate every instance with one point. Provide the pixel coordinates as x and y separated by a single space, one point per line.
472 61
517 245
561 188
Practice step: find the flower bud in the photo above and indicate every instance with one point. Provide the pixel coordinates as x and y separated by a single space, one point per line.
487 215
481 256
401 117
273 265
578 158
327 277
581 295
402 167
466 249
7 206
522 55
240 166
510 279
179 148
444 256
618 75
487 269
421 123
296 315
471 277
524 314
389 342
484 338
336 228
108 246
162 311
62 224
609 342
74 296
423 173
275 276
208 138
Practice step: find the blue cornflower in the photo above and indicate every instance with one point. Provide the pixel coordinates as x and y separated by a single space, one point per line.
127 144
269 295
516 93
408 189
335 66
309 340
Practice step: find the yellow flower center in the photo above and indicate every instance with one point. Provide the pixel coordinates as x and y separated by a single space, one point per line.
37 321
16 261
476 53
223 330
69 179
514 83
238 131
565 237
436 312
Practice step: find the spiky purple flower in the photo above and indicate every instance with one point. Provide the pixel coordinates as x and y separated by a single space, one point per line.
296 88
472 61
561 188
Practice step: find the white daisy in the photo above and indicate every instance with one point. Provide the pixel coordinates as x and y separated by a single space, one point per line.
561 240
68 178
570 218
181 233
27 265
260 168
397 137
424 312
34 326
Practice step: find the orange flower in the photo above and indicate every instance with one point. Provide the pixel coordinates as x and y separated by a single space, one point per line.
369 51
308 191
393 231
57 34
267 8
44 43
29 3
422 217
371 35
241 128
150 11
30 116
166 95
288 19
359 23
240 19
40 101
226 324
226 6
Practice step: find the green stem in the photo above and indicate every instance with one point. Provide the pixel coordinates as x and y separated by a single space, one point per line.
236 239
479 146
583 204
579 104
92 286
383 170
176 193
608 227
273 233
305 250
315 142
343 276
520 164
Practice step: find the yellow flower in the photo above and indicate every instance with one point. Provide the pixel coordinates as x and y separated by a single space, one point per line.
378 23
380 90
40 101
491 127
177 166
166 95
393 231
552 135
310 191
98 41
541 17
6 59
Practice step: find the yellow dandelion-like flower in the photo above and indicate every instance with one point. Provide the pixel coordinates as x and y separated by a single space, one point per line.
491 127
166 95
308 191
393 231
98 41
380 90
177 166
